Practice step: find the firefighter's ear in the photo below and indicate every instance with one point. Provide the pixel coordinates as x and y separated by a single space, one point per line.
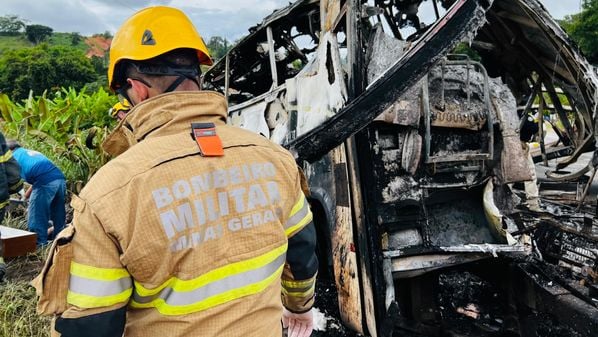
138 92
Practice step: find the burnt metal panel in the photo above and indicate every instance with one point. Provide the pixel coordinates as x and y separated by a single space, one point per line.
466 16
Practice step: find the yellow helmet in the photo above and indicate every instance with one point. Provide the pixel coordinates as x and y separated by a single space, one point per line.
113 112
152 32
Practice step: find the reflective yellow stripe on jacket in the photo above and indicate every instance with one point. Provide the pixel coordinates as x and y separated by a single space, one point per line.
300 216
228 283
92 287
305 288
5 157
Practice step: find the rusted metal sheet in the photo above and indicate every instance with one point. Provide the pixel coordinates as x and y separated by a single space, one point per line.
362 248
343 249
329 14
455 119
418 265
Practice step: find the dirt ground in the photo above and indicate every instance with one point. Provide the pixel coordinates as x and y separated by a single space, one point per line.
326 313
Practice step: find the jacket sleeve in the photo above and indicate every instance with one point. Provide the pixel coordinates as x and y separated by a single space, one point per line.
13 174
299 275
99 287
5 175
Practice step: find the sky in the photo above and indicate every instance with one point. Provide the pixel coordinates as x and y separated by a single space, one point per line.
227 18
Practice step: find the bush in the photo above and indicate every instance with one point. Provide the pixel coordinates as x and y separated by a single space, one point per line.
68 128
583 29
43 67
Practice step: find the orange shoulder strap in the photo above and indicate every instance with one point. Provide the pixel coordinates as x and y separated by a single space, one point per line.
208 141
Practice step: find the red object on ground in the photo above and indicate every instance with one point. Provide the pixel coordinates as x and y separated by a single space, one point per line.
17 242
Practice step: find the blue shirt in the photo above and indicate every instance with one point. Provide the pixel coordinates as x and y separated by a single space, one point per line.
36 168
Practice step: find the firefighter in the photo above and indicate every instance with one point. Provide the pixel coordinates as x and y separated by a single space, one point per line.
119 110
196 228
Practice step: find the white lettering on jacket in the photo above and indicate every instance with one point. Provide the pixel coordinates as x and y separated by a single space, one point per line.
206 182
192 210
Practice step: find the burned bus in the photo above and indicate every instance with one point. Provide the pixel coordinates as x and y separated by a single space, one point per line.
405 117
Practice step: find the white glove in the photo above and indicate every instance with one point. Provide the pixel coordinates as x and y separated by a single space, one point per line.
22 194
299 325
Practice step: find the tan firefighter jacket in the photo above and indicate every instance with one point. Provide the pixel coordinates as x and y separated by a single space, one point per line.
191 245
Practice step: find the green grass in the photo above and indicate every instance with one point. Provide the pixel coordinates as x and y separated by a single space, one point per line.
13 42
57 39
65 39
17 312
18 316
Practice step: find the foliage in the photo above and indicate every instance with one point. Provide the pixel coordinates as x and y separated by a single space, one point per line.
43 67
76 38
66 40
105 35
18 301
38 33
464 49
19 41
583 28
13 42
99 64
17 311
11 25
218 47
68 128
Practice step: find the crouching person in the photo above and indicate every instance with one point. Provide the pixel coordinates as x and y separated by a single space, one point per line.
47 192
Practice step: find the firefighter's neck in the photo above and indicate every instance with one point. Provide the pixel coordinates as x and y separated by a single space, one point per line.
139 91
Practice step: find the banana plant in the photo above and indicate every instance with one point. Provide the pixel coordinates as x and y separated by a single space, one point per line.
67 127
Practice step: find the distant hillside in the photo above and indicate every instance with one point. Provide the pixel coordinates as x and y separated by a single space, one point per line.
97 45
13 42
90 46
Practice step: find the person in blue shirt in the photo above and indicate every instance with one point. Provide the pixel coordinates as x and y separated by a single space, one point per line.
47 192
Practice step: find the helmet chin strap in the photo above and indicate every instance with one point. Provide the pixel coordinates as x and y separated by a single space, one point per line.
165 71
122 91
180 80
175 84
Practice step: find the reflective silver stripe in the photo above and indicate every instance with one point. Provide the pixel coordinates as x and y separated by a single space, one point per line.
98 288
173 297
300 215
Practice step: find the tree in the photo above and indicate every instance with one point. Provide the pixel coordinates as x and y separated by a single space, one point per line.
75 38
218 47
43 67
37 33
105 35
583 29
99 64
11 25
